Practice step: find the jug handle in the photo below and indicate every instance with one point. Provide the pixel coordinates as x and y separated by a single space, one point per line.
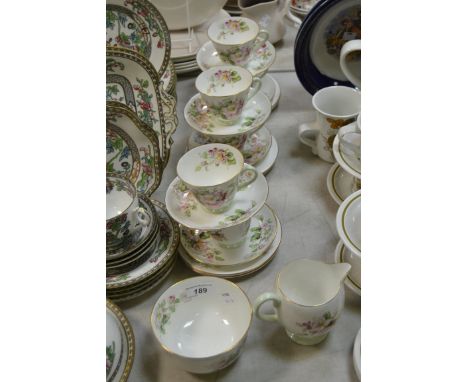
261 300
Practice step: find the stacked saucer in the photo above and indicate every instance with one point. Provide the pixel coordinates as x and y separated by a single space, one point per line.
344 177
348 250
226 228
141 241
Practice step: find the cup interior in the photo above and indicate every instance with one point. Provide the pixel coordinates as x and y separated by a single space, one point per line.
210 165
210 316
233 31
337 101
308 282
120 194
223 81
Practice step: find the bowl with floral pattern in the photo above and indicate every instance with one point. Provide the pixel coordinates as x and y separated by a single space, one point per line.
202 323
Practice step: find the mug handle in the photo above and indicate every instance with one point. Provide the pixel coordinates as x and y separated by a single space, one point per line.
256 84
261 300
142 216
247 176
349 47
308 136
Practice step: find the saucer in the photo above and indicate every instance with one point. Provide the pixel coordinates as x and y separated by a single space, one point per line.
254 149
162 254
270 87
254 114
348 222
339 183
187 210
263 58
357 354
147 233
349 163
202 246
343 255
267 163
234 270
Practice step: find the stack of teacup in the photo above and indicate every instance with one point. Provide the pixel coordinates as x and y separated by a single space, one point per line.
225 110
227 230
140 240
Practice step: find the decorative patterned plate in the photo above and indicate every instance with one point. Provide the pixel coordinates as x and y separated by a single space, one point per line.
131 80
328 25
254 149
138 26
254 114
234 270
341 254
349 163
186 210
271 89
267 163
258 65
169 78
339 183
120 344
144 138
348 222
204 248
168 242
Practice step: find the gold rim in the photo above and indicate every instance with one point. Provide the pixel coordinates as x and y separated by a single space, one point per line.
333 183
113 107
130 338
171 251
239 342
343 221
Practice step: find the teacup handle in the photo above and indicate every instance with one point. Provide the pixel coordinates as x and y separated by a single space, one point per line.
261 38
309 137
247 176
256 84
261 300
142 216
349 47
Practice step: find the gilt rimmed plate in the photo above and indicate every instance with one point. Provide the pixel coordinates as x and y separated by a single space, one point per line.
120 344
348 222
169 78
132 80
265 165
258 65
166 249
326 28
342 255
187 210
234 270
204 246
138 26
339 183
144 138
254 114
270 87
349 163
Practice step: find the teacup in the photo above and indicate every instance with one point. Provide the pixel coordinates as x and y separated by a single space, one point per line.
350 61
336 106
350 138
308 300
214 173
124 216
202 323
225 90
236 38
232 237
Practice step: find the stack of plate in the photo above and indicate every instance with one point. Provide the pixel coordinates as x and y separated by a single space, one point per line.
233 8
184 47
120 344
141 266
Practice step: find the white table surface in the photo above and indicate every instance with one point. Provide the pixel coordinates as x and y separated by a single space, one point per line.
299 195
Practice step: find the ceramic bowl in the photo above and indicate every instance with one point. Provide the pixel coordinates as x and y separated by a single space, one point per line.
202 323
175 12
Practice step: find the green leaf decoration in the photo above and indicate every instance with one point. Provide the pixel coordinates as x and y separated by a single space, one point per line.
219 258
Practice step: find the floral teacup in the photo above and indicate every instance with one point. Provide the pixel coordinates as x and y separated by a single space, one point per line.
124 217
236 38
232 237
225 90
214 173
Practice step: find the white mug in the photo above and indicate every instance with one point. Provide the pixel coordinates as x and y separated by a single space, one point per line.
350 61
321 145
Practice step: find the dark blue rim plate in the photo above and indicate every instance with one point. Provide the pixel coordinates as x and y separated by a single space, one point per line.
308 74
